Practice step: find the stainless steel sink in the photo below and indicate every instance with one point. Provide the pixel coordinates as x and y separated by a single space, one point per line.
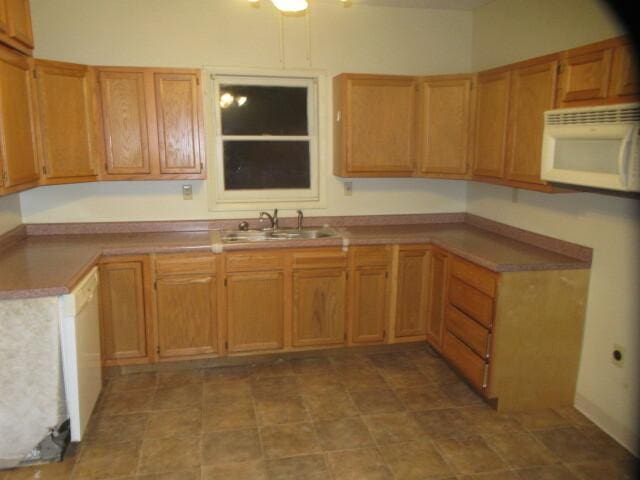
239 236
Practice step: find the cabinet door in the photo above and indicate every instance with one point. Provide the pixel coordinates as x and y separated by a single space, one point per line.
179 129
624 75
17 139
255 311
4 19
585 76
492 115
124 118
532 92
412 295
378 115
19 21
437 293
124 325
369 304
319 298
444 124
65 111
187 320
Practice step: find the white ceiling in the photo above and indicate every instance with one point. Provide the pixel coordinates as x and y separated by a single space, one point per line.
442 4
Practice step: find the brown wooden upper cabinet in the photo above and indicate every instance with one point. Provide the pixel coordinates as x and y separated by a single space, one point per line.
444 125
152 123
66 118
374 125
15 25
18 165
510 106
491 123
599 74
533 88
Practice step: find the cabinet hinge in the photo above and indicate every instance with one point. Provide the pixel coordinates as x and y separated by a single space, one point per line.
345 336
201 166
384 334
225 282
386 274
44 169
4 177
155 284
158 350
226 345
560 68
35 74
197 81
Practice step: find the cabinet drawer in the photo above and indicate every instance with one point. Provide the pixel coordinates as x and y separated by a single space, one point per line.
471 301
468 363
320 259
482 279
185 264
254 262
469 331
371 256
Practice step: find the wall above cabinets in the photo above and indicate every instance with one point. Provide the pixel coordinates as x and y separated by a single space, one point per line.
485 127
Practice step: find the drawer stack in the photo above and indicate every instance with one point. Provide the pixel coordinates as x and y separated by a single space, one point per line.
469 316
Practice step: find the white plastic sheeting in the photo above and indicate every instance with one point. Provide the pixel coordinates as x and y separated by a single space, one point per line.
31 388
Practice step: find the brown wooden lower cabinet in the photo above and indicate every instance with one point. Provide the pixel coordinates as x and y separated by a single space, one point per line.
437 280
369 294
255 311
515 337
125 321
186 306
412 294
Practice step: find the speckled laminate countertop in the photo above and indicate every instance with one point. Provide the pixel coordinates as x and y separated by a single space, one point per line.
49 265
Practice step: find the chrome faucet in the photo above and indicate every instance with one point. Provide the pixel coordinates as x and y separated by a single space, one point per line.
273 219
300 219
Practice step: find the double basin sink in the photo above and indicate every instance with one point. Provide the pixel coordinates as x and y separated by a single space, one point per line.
241 236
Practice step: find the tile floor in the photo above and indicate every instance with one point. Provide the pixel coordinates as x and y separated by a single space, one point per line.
401 415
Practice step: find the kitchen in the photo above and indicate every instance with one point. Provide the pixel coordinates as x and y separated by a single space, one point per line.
409 42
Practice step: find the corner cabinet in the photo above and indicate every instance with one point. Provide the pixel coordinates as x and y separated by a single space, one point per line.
18 164
126 320
186 293
374 125
152 123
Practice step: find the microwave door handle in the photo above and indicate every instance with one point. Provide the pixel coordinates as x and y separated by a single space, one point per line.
623 160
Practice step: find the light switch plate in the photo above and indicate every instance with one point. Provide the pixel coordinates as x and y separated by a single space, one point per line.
187 192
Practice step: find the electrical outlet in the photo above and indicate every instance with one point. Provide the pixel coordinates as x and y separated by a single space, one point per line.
187 192
617 355
348 189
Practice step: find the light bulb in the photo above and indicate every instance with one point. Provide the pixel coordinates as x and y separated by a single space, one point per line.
226 100
291 6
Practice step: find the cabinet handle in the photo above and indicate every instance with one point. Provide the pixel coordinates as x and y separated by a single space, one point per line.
485 375
178 280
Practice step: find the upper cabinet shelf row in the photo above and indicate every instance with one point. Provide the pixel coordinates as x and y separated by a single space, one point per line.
67 123
486 126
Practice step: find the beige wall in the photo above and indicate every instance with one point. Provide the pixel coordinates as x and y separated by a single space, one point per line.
9 213
231 33
606 393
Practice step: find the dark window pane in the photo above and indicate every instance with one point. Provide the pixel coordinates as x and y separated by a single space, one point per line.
261 165
254 110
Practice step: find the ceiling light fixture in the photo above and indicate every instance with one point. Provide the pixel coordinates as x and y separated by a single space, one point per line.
292 6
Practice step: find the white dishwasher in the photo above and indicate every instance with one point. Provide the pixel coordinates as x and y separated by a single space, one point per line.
80 340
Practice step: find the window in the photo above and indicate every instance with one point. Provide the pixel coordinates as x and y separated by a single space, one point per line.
266 141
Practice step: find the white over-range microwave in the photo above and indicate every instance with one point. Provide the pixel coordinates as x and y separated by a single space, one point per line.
593 146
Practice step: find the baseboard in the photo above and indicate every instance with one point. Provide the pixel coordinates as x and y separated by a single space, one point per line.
620 433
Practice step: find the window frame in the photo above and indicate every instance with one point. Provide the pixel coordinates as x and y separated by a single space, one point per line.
221 199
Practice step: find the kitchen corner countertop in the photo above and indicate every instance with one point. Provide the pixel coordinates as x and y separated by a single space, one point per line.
51 265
